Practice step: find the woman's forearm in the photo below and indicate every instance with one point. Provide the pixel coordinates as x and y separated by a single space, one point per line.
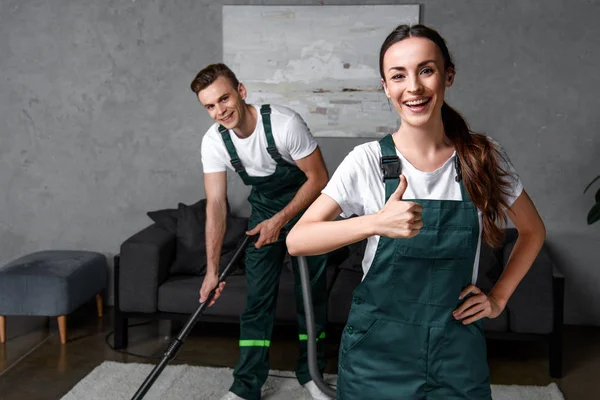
521 258
319 237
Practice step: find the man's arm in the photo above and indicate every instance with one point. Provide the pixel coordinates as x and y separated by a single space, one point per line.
314 168
215 186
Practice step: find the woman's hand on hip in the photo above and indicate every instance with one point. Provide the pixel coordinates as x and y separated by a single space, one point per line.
477 306
398 218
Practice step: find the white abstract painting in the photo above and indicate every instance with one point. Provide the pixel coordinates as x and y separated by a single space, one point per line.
321 61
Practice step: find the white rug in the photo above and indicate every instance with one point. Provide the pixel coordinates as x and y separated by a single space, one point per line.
119 381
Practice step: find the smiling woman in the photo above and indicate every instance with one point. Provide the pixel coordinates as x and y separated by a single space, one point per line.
415 326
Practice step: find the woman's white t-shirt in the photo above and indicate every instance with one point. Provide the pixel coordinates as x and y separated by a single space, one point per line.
358 188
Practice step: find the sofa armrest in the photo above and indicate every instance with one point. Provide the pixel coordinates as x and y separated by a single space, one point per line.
145 260
532 304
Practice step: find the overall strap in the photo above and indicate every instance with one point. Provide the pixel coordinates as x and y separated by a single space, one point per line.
233 155
390 165
265 111
459 179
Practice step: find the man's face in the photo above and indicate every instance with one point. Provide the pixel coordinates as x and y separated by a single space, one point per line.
224 103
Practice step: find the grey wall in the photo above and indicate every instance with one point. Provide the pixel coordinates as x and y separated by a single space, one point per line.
98 125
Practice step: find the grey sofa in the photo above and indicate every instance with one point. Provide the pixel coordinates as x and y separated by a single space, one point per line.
145 288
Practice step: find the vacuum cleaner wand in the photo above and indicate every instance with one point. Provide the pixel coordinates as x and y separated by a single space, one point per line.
313 367
177 342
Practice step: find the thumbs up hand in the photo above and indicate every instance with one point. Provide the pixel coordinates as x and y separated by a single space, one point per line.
398 218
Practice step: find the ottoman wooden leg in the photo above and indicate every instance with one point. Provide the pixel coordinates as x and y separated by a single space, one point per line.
2 329
62 328
99 304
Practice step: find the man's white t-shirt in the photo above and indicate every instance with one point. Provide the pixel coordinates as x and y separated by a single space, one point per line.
358 188
290 133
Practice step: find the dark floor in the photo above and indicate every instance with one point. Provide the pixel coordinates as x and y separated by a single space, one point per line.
35 366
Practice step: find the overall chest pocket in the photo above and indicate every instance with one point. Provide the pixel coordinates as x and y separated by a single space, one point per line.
433 267
438 243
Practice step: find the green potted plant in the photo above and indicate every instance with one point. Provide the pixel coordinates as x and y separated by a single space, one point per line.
594 214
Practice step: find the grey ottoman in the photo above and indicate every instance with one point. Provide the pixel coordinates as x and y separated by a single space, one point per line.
51 283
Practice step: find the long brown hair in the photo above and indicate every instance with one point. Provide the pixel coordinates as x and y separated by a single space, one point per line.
486 182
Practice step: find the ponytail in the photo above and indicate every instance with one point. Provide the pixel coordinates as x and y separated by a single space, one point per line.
485 181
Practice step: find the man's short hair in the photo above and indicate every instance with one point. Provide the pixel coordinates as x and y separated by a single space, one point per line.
210 73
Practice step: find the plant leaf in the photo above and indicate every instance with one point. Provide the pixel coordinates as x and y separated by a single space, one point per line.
598 196
591 183
594 214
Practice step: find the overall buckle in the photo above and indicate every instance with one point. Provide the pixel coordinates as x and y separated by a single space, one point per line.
272 150
390 166
265 109
237 164
458 177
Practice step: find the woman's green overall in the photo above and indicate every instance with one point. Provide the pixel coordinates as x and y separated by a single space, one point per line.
401 340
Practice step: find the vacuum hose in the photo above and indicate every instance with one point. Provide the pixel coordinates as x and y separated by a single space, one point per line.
313 367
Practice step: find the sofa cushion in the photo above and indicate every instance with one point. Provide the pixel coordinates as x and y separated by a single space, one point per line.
190 253
180 294
167 218
238 267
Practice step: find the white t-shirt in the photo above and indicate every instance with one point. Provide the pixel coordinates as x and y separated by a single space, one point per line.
360 170
290 133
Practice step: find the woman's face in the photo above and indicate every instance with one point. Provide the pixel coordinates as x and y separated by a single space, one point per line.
415 80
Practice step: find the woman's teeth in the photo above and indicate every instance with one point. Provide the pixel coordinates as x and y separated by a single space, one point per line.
417 102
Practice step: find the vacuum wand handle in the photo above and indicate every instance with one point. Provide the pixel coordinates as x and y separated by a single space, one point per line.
177 342
224 275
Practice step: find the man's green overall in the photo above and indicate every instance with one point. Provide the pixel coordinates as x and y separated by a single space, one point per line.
401 340
269 195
